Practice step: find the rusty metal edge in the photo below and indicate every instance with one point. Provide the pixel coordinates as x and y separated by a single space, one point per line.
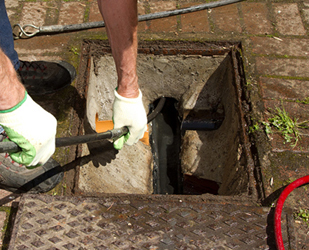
243 130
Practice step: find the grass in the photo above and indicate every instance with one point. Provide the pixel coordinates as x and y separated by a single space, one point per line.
254 128
74 50
304 101
303 215
285 125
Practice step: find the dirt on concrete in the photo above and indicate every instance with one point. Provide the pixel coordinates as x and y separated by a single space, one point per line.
199 76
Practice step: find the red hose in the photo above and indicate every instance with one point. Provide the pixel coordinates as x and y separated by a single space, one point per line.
279 206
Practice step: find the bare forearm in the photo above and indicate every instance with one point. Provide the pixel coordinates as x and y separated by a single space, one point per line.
11 90
120 18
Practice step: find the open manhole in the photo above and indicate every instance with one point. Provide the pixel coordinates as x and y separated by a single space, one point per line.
198 141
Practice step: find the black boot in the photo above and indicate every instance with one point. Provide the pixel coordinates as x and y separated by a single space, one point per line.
18 178
40 77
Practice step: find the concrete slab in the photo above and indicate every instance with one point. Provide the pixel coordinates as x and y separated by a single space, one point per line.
143 222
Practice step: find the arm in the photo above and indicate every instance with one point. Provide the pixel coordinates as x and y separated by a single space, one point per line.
121 24
12 91
23 120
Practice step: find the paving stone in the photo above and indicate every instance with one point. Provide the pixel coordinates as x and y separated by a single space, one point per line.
8 198
33 57
294 110
255 18
279 144
34 13
288 19
282 67
196 21
282 47
142 222
11 4
306 14
71 13
52 14
43 44
141 8
226 18
95 16
94 13
274 88
168 24
142 26
10 13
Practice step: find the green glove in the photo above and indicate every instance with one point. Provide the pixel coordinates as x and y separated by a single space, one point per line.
28 152
118 143
32 129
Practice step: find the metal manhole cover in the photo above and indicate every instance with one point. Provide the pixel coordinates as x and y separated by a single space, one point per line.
141 222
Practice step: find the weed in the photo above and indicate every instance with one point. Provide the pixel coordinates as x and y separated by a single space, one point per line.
267 127
64 187
254 128
287 127
290 180
302 214
304 101
74 50
248 82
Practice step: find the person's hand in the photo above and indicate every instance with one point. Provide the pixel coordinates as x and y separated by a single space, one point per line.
129 112
33 129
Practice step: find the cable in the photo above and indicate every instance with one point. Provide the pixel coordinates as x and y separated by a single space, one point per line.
90 25
278 210
157 110
12 147
114 133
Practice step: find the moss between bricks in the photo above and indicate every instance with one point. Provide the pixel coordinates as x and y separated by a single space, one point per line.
8 225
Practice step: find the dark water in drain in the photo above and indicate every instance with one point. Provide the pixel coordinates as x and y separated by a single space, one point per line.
166 142
167 130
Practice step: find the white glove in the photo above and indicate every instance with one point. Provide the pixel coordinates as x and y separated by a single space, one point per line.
129 112
33 129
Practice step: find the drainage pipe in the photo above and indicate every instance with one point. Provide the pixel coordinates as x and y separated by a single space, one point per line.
90 25
278 210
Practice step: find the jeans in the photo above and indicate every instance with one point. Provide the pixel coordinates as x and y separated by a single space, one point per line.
6 36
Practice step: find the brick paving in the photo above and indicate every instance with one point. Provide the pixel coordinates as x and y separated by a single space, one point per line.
274 38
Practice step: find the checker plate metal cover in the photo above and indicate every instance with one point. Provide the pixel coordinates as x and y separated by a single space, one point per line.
141 222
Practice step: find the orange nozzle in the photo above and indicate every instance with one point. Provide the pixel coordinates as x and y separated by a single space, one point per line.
103 126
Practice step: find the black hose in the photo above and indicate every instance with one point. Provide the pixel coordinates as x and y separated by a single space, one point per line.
114 133
74 140
157 110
